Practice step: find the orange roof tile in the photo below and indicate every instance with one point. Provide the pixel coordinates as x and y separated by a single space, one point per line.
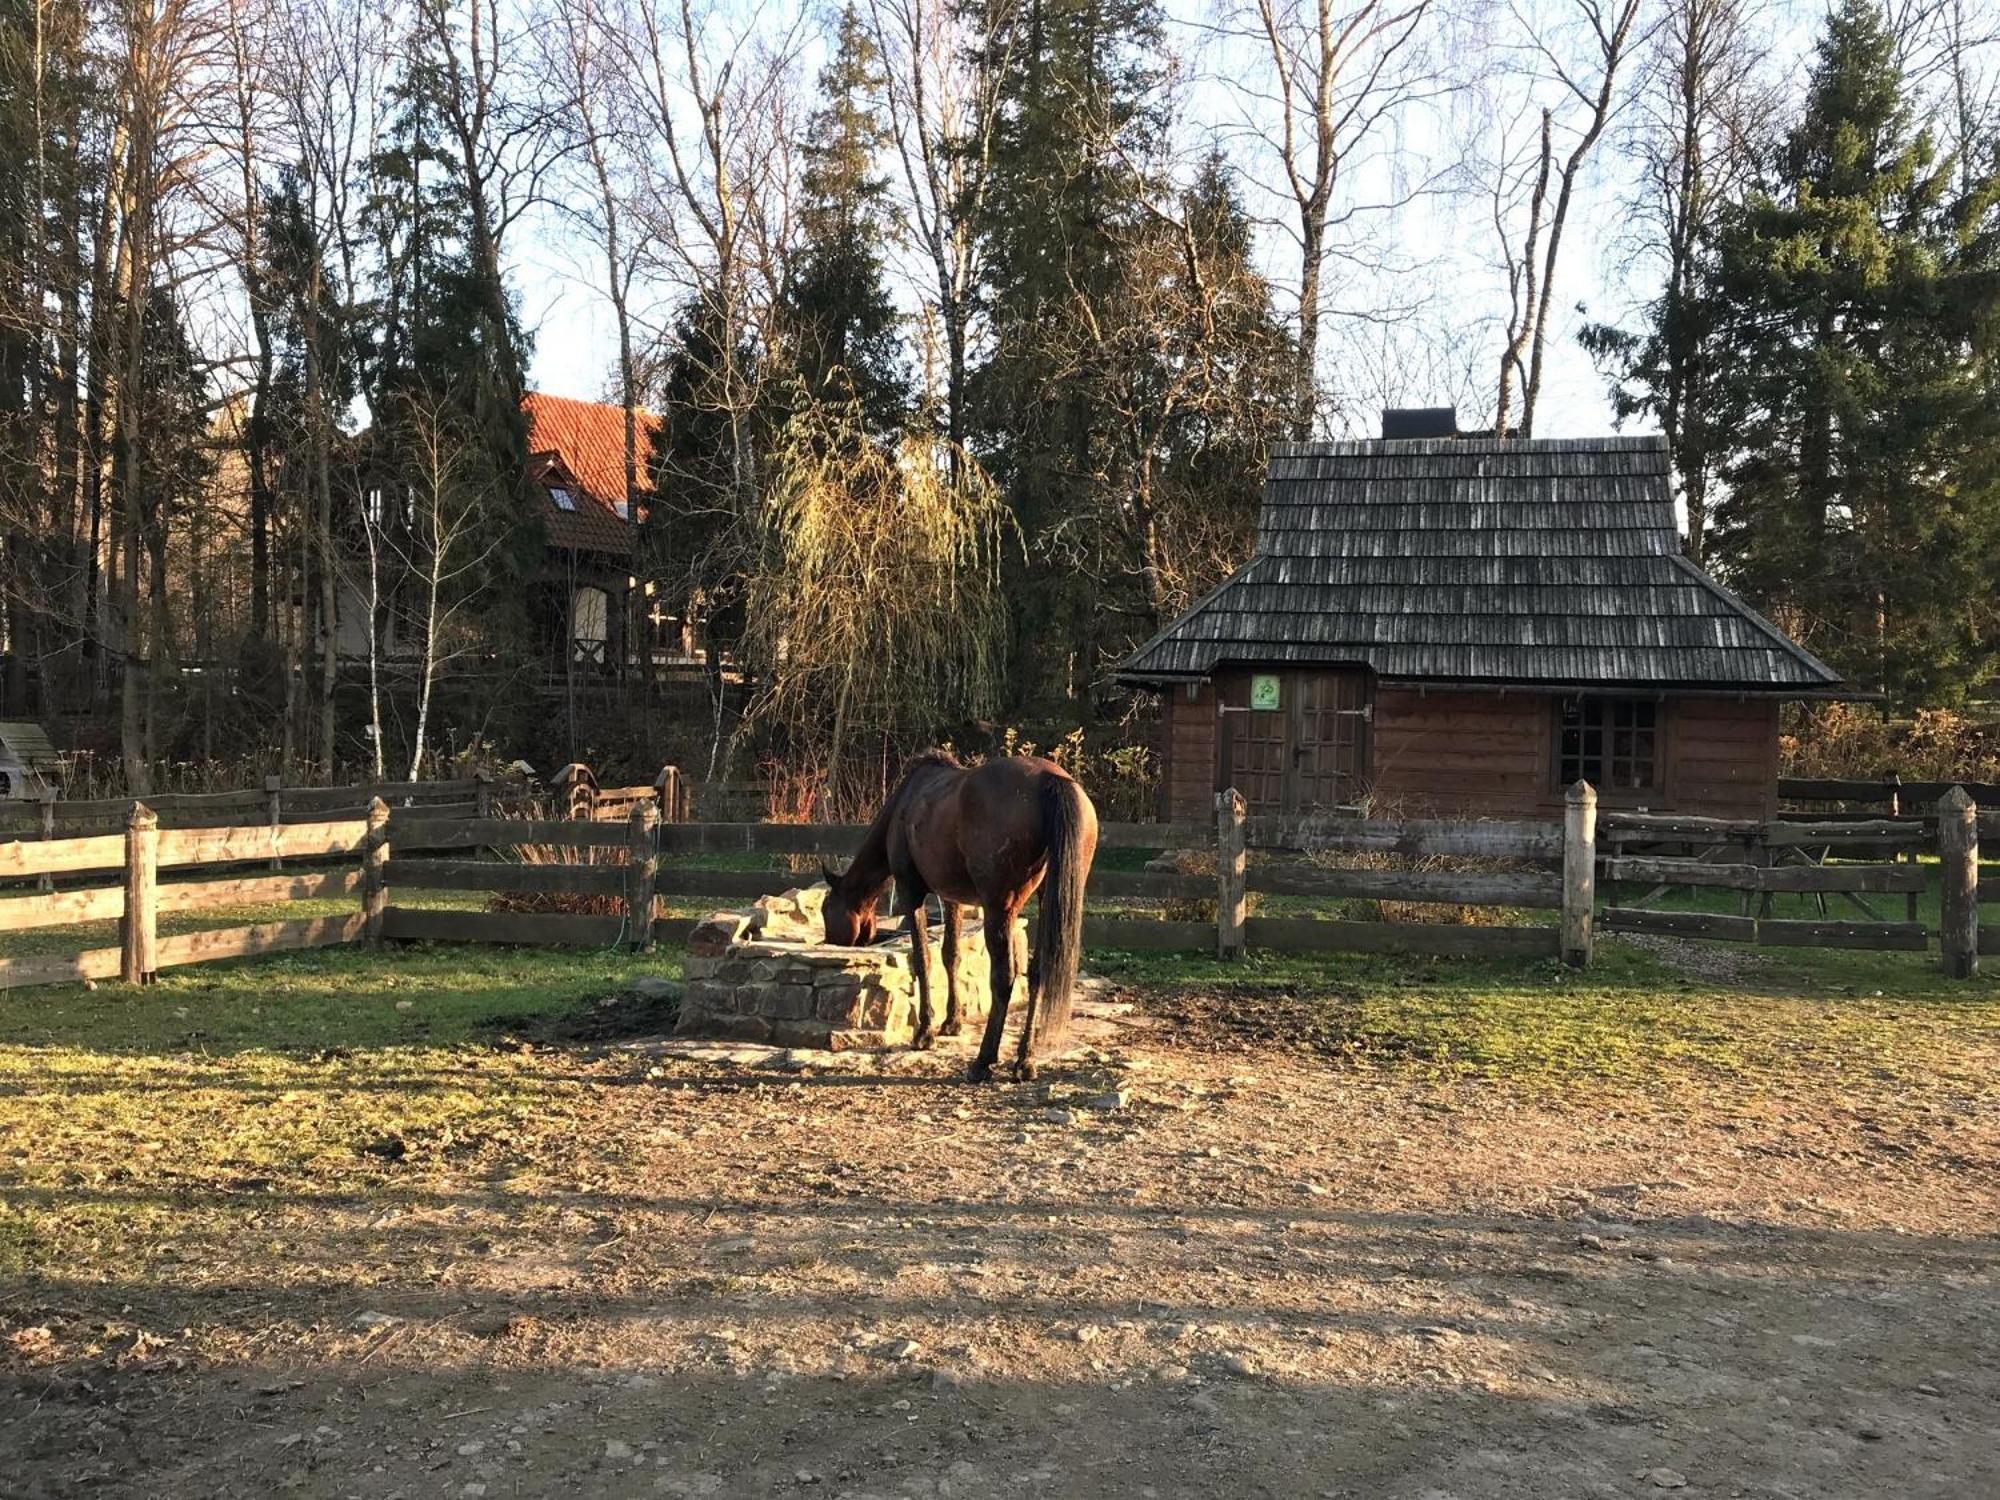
590 436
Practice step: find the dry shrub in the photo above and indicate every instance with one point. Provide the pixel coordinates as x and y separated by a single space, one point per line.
1448 914
1848 741
565 903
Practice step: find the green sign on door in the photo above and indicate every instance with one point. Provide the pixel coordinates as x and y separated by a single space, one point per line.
1264 691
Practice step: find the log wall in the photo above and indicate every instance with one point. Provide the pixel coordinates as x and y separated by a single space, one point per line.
1456 752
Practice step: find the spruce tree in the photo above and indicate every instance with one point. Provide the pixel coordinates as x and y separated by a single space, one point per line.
695 538
1062 214
447 340
841 320
1856 319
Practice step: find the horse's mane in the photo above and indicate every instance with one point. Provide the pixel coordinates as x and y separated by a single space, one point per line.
934 757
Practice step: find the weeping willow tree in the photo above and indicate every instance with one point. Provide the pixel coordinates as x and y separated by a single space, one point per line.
875 615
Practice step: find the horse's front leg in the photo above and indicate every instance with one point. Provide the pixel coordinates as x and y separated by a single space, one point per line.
1000 958
954 1019
920 955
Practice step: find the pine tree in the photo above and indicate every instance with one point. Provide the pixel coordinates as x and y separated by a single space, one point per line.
1857 321
695 538
841 320
1230 362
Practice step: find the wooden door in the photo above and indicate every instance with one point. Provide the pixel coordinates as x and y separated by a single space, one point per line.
1329 723
1255 745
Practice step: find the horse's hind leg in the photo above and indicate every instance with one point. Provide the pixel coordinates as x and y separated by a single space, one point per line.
1024 1059
1000 958
920 955
954 1020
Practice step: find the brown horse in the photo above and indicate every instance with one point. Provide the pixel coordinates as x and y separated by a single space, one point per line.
985 837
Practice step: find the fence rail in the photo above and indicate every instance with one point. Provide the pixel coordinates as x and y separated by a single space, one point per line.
273 804
1891 791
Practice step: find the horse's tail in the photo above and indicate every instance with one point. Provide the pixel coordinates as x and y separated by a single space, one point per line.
1069 831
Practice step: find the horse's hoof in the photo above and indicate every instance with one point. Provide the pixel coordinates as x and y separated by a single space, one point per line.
979 1072
1025 1071
921 1043
952 1028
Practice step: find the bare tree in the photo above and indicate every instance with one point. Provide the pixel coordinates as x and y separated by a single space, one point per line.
1587 85
941 71
583 69
163 64
1339 73
717 110
1702 108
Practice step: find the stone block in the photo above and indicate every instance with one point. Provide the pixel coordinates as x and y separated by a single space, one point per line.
841 1006
800 1034
840 977
850 1040
738 1028
787 1002
700 966
716 932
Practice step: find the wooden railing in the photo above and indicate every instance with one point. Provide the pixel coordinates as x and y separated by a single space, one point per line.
673 852
1837 798
273 805
630 867
137 856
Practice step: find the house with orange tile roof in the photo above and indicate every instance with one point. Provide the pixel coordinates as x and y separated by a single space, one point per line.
594 613
576 462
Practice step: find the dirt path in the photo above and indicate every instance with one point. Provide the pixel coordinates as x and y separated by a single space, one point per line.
1189 1265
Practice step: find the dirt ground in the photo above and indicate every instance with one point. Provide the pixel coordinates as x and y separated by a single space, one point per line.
1190 1262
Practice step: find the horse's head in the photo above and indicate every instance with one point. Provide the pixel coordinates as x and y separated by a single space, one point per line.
849 914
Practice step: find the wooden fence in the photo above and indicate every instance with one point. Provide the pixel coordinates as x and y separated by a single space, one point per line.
138 855
631 866
1757 861
1891 796
667 858
274 805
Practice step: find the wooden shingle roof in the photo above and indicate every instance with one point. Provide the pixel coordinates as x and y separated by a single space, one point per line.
1479 560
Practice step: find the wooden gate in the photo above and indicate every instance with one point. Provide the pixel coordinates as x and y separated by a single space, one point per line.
1295 742
1646 857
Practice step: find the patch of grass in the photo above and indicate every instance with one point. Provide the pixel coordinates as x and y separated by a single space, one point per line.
1633 1018
133 1119
326 999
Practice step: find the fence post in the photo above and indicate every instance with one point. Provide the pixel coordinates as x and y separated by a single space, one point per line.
1579 872
137 930
1958 859
48 882
673 806
1232 869
482 794
375 871
642 874
274 809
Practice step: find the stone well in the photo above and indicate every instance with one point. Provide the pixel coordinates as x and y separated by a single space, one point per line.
764 975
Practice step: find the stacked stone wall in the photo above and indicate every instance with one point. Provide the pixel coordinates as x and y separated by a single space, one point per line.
761 975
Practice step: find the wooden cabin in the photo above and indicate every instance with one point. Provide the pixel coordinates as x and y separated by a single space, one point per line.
1463 626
